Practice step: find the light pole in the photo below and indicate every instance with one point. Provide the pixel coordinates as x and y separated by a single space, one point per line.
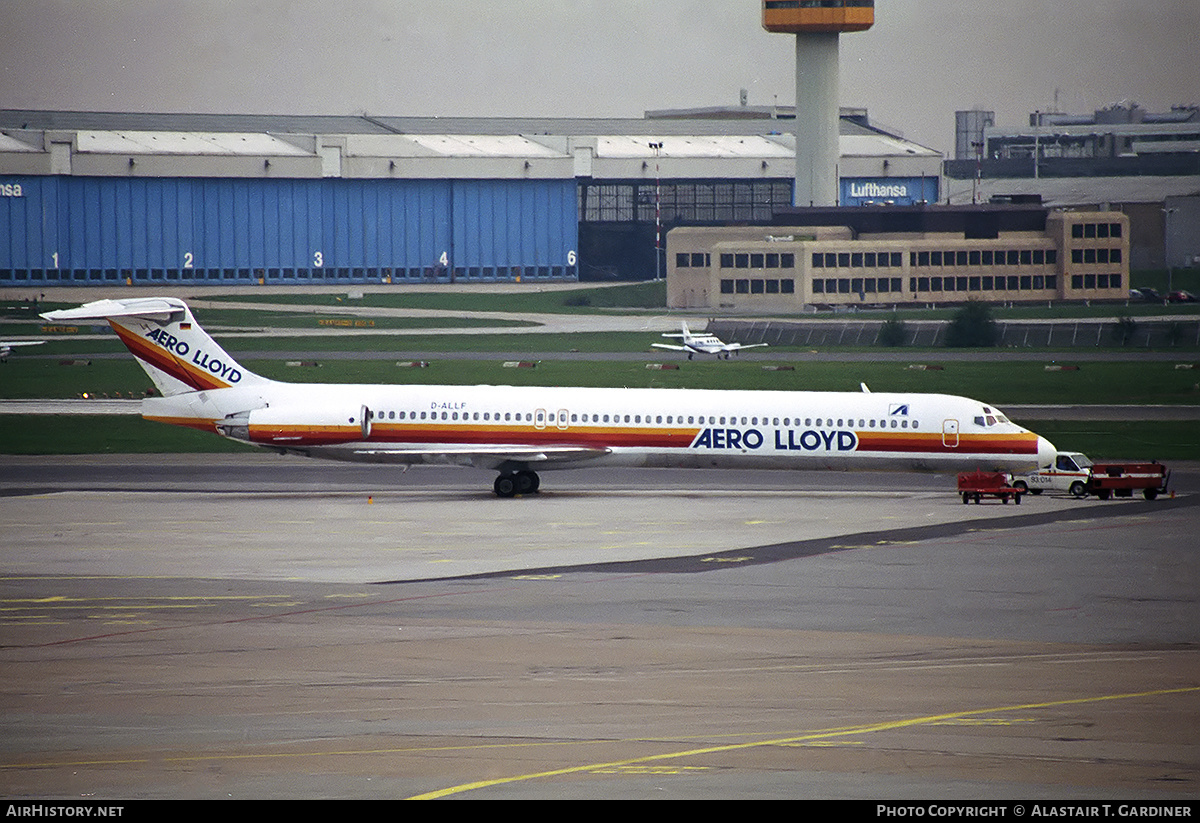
978 181
1167 247
656 148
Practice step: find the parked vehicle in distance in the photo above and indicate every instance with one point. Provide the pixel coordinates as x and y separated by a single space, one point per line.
1076 475
1123 479
1181 297
1145 295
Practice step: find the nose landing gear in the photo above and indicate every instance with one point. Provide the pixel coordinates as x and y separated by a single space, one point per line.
510 484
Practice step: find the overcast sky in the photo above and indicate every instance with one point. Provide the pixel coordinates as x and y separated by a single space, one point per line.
923 60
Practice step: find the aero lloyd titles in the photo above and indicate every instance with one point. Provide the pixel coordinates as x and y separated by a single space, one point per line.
226 371
809 440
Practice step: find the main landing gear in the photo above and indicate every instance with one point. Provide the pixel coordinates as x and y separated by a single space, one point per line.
510 484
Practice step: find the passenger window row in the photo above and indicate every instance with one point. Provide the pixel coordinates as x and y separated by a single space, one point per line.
638 419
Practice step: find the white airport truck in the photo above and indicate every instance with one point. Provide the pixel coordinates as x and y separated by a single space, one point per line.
1074 474
1069 473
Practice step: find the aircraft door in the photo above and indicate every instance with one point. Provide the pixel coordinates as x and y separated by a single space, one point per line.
539 419
950 433
564 418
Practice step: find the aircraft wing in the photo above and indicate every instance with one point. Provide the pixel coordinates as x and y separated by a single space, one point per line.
669 346
483 456
6 346
739 346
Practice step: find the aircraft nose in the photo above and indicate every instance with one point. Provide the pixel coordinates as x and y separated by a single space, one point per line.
1046 452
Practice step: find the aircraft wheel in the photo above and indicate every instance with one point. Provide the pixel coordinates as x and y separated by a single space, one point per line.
505 485
528 482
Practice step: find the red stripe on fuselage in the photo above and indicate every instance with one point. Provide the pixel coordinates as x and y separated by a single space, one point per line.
588 437
886 442
477 436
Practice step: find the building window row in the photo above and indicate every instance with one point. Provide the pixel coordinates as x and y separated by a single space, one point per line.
857 285
1087 231
857 260
693 260
1096 281
758 260
973 283
757 286
983 257
1100 256
703 202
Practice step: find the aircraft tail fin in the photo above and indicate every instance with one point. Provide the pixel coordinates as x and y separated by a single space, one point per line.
168 343
684 335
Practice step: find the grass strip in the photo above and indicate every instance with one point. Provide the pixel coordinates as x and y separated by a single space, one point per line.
1000 383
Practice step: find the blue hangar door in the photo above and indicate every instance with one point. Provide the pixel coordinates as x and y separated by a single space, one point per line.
107 231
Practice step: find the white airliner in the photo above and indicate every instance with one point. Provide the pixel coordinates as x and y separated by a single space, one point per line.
520 431
703 344
6 346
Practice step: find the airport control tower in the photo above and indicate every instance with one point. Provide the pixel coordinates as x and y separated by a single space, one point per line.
817 25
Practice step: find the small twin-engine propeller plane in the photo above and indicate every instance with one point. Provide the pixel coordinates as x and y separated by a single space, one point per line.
704 344
521 431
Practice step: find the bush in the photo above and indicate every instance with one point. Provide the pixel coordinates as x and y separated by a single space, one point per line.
973 327
1124 330
893 333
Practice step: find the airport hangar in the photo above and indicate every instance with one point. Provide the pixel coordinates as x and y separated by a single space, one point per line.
105 199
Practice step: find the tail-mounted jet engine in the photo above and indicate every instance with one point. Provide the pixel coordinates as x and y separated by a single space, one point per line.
293 426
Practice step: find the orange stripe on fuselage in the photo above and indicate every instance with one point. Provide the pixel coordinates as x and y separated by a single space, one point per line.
198 423
305 435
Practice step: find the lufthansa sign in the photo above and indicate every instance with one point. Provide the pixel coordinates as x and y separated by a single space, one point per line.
888 191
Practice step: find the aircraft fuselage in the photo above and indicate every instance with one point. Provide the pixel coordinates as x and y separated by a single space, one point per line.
560 427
